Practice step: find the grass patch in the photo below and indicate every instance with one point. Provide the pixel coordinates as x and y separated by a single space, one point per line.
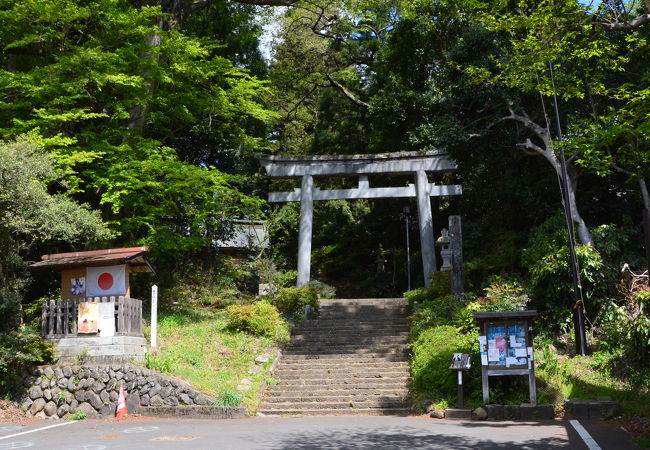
561 377
199 347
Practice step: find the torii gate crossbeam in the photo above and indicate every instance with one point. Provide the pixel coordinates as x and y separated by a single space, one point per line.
415 163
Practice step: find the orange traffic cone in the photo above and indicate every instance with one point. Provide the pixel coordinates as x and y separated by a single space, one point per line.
121 410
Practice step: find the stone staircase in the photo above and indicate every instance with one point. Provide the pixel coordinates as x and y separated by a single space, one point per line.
351 360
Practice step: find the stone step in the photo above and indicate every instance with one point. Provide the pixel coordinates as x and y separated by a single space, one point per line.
343 404
352 332
358 383
364 301
375 400
330 340
339 373
351 324
311 391
338 412
300 364
302 357
340 368
318 348
380 353
364 313
352 359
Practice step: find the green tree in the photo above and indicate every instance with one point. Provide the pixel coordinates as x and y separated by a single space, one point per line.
30 216
554 48
112 87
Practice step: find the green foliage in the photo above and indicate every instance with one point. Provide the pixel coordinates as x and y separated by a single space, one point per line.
80 358
639 330
113 90
502 294
79 415
547 260
30 216
21 348
434 312
431 357
197 286
259 318
440 286
292 300
625 328
158 364
228 397
499 256
323 290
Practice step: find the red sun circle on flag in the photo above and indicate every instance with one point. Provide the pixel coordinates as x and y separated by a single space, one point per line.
105 281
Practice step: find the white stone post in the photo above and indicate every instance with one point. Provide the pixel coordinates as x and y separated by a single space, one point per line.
426 225
304 238
154 316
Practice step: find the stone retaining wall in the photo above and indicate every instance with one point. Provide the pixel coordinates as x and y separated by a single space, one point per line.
59 391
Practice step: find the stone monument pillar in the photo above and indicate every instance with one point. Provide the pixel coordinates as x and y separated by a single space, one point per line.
456 247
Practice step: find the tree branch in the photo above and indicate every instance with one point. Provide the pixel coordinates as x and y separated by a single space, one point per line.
629 25
346 92
619 169
530 148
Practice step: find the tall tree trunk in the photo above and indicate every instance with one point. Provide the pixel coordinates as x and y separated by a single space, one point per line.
138 114
644 191
584 236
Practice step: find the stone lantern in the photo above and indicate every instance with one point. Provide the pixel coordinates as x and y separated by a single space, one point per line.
445 252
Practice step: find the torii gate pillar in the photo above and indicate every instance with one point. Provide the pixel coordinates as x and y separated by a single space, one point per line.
426 226
304 236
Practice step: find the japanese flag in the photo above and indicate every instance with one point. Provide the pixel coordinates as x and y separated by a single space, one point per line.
108 280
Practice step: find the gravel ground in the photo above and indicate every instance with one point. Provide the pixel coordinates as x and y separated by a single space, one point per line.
9 413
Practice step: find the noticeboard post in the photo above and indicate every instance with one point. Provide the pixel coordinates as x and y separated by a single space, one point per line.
506 343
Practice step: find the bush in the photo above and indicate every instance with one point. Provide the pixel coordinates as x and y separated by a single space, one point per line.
323 290
228 397
502 294
547 260
198 286
430 313
638 347
19 349
440 287
259 318
292 300
431 356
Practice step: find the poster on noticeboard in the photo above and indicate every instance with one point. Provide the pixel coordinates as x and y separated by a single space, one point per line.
506 345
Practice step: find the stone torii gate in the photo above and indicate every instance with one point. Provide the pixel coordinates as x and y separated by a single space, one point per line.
307 167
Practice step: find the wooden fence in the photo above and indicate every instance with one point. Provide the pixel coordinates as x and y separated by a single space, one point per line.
59 317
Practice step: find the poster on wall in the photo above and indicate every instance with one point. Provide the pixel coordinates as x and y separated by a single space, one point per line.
107 280
78 286
88 320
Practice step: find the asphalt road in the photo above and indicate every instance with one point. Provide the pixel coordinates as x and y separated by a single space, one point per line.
355 432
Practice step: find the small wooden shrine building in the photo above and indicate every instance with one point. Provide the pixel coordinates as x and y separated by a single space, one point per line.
96 315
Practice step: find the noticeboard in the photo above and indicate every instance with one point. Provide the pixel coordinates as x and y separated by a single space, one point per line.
506 343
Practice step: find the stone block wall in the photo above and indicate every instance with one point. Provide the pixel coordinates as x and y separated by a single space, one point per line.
59 391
